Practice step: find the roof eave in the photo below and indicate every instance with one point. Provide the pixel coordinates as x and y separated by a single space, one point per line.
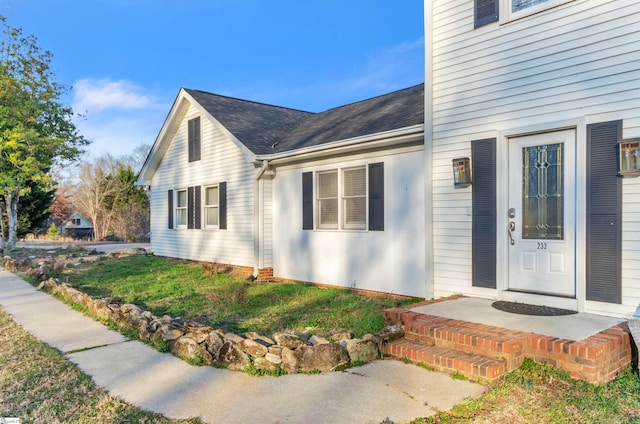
386 139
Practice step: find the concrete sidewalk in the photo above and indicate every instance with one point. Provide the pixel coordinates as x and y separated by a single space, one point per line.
161 383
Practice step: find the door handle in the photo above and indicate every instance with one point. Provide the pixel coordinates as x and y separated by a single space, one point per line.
512 227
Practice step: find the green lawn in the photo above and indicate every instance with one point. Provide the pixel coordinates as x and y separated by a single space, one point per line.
190 290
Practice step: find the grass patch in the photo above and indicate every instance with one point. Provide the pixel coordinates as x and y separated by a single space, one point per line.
189 290
538 393
38 385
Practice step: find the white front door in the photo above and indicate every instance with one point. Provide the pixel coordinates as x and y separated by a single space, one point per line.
542 213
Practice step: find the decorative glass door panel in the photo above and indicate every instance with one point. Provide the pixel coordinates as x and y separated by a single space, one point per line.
542 192
542 213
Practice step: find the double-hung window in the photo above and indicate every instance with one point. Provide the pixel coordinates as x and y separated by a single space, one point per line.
181 208
345 199
211 207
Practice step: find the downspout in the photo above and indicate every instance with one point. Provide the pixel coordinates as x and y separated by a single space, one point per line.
256 219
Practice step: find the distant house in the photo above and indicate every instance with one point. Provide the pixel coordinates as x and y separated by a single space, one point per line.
77 227
335 197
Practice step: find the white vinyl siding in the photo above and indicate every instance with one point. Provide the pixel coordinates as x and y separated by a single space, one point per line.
391 261
579 61
221 160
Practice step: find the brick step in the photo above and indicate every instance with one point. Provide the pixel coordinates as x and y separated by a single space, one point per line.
450 361
477 339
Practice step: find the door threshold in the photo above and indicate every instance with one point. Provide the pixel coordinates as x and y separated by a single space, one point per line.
563 296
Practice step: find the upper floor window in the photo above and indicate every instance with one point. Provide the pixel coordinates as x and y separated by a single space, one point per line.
194 139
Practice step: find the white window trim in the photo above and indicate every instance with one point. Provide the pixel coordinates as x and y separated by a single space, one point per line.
341 199
180 208
507 16
206 207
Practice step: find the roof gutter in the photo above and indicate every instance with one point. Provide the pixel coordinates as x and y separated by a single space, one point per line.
383 139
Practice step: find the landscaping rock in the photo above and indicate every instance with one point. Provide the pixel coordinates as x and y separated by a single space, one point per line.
324 357
288 340
231 356
259 338
264 364
290 361
172 334
392 332
273 358
316 340
362 350
253 348
213 344
233 338
340 335
185 347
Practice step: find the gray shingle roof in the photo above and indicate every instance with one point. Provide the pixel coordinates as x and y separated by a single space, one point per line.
267 129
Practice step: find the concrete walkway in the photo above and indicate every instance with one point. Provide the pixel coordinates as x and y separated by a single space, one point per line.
161 383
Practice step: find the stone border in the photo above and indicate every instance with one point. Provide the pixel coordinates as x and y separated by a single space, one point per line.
199 344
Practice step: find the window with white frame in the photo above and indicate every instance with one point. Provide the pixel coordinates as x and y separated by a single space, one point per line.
354 198
211 207
327 199
181 208
344 199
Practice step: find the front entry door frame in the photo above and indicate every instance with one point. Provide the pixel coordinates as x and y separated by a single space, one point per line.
502 186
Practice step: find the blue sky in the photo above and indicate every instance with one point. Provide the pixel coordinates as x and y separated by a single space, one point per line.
127 59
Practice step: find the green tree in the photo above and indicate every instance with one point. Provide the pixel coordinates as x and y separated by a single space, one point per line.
36 129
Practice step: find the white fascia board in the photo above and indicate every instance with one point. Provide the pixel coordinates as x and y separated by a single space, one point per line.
385 139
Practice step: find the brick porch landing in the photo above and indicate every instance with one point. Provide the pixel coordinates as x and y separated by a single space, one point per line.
484 352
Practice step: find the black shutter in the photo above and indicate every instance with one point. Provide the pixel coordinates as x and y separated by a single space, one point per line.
197 212
170 210
483 227
485 11
307 201
604 213
222 192
376 196
190 208
193 130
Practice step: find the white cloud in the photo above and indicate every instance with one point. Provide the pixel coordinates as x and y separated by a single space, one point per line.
91 95
117 116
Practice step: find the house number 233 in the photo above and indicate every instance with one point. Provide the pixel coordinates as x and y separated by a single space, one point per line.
542 246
